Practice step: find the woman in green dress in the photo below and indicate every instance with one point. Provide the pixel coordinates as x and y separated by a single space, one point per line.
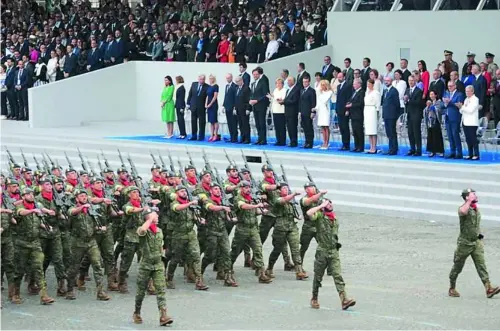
168 107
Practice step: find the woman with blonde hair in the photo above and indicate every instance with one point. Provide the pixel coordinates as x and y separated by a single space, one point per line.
278 111
212 107
323 111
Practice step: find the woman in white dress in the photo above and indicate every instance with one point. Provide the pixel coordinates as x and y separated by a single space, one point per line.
372 105
278 111
323 111
52 67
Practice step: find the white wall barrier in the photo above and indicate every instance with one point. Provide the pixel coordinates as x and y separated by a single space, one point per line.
386 36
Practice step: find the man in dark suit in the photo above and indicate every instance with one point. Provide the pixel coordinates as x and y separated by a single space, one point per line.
252 48
259 102
291 103
307 103
179 49
242 106
301 69
327 70
244 75
355 108
415 114
453 100
458 82
196 103
44 54
365 73
180 107
390 113
228 107
212 44
71 62
344 94
480 88
22 80
298 39
94 60
240 47
10 83
438 84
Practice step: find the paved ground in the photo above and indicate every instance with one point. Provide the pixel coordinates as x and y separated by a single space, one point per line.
399 276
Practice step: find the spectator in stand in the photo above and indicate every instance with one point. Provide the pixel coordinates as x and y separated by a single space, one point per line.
374 75
437 85
391 110
370 114
278 111
452 101
470 110
323 111
291 103
480 88
301 69
169 47
327 70
200 47
242 106
496 98
389 67
344 93
468 78
244 75
168 107
403 64
317 83
424 77
433 116
284 76
228 108
414 110
259 102
223 49
196 99
400 86
212 107
365 72
488 78
40 73
449 65
355 108
307 105
418 80
272 48
52 66
180 106
458 83
348 71
470 61
22 79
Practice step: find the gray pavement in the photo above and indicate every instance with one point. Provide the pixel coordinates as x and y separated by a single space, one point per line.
398 275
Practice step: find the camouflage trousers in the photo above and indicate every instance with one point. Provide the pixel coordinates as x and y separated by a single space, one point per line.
229 228
265 226
66 249
105 243
281 240
118 237
247 236
202 237
167 245
80 248
158 278
185 248
128 253
462 252
306 235
329 261
8 260
53 252
28 259
217 251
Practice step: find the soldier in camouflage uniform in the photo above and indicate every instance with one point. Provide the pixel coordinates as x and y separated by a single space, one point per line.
104 236
470 243
246 175
269 187
51 241
307 202
83 228
217 240
151 267
327 253
285 230
28 251
167 195
16 171
202 191
27 178
119 230
184 242
7 249
71 180
63 225
247 230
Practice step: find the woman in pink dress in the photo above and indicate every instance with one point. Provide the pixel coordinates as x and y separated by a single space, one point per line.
222 49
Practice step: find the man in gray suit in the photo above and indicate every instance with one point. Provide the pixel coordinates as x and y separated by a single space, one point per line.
348 71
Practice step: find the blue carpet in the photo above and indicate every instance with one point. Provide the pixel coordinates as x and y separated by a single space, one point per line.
489 157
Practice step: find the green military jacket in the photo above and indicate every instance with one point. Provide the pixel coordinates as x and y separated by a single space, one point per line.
284 214
326 232
167 196
247 218
6 235
202 195
216 220
53 221
183 221
151 246
82 228
305 208
153 184
131 222
27 229
470 227
233 193
271 195
104 210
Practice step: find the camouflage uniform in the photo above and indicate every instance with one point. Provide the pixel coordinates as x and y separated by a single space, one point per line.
119 228
52 245
7 251
308 229
166 223
202 195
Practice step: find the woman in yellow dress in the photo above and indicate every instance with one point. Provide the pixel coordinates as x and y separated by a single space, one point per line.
168 107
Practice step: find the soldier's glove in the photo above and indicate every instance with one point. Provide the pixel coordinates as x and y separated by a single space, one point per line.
339 245
480 237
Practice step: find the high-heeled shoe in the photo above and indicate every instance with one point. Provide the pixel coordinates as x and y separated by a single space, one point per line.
211 139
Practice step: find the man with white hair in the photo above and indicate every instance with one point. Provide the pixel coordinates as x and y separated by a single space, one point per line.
229 110
480 86
196 104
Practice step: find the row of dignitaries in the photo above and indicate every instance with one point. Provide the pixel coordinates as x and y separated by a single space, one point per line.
75 221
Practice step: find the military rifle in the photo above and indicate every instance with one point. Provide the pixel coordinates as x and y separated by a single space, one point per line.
38 166
143 186
268 161
154 158
11 161
163 164
311 180
108 191
186 184
171 161
24 159
191 162
42 216
82 160
254 187
71 167
208 167
45 164
54 165
8 202
225 200
231 162
294 203
100 165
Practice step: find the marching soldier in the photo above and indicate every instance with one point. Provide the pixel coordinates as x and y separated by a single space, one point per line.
191 179
247 230
217 240
13 191
167 195
327 253
104 236
83 228
308 229
285 231
7 249
28 251
231 185
71 180
151 267
247 176
185 245
84 180
39 176
56 172
51 240
27 178
470 243
109 178
202 191
16 171
63 226
120 192
270 188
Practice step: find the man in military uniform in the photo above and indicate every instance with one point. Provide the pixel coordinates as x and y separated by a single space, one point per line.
51 240
27 248
167 194
84 180
202 192
448 57
247 230
83 228
191 179
59 188
16 171
247 176
7 249
217 240
27 178
119 230
327 253
285 230
71 180
104 236
56 172
492 66
151 267
184 242
270 188
470 243
308 229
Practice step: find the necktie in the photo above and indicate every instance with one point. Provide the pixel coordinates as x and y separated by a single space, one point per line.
199 89
227 88
411 92
253 86
287 91
324 70
239 90
353 95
